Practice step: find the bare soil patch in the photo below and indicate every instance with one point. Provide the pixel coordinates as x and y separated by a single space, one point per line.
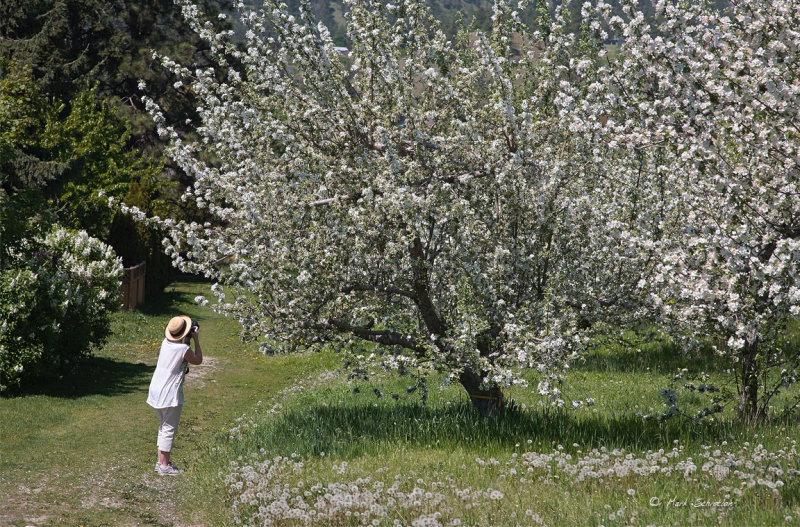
198 376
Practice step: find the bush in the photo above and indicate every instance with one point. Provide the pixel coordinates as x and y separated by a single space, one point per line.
56 297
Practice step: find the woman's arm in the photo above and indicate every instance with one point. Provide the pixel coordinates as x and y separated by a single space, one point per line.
194 357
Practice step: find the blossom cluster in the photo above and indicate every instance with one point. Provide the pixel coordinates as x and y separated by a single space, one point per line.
56 296
421 194
704 102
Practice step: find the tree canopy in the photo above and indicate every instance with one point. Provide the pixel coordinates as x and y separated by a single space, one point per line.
712 96
76 124
471 206
422 195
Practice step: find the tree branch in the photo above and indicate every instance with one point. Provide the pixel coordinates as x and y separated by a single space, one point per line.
379 336
383 289
421 286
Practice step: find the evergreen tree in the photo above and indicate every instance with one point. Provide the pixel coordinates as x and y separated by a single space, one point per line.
64 141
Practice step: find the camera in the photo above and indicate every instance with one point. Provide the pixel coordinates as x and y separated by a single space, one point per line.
192 329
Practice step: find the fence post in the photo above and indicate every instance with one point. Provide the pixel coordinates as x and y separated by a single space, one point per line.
133 285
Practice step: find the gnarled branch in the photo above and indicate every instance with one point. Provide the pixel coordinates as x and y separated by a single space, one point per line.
380 336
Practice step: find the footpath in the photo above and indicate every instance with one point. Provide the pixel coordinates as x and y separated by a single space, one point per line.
81 451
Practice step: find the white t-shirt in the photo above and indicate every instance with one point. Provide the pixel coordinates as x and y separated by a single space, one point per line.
166 387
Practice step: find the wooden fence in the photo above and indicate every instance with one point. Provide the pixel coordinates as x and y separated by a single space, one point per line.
133 286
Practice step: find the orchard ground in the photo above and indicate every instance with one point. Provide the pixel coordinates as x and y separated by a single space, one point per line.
289 440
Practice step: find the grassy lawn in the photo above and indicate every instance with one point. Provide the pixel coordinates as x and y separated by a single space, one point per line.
82 451
285 439
328 456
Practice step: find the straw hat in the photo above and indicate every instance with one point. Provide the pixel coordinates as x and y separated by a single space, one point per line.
178 327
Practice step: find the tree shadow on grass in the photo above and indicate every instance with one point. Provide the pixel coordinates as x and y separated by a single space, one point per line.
95 376
352 431
165 303
665 358
173 301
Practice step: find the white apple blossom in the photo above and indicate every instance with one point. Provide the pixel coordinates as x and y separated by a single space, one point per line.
426 194
709 101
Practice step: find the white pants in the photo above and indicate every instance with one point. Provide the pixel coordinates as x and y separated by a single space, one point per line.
169 424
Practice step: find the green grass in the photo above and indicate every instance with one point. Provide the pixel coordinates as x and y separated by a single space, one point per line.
425 446
436 446
81 451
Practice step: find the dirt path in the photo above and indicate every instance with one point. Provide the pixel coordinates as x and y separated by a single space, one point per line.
83 452
120 490
199 375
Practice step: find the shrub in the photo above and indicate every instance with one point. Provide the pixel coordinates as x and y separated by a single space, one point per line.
56 297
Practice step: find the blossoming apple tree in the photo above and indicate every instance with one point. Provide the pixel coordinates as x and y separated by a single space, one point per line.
421 194
713 97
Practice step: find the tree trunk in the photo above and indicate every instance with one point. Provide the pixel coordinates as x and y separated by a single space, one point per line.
748 390
487 402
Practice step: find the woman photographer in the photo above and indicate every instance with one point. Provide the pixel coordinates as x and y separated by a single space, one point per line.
166 387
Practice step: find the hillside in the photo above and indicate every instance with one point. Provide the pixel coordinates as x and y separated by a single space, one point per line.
451 13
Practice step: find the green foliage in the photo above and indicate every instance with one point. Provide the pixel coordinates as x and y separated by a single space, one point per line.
24 164
136 242
19 346
18 112
56 297
69 44
56 158
72 122
24 115
65 42
58 289
90 141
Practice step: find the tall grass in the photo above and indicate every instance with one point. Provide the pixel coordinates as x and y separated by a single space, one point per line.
360 458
